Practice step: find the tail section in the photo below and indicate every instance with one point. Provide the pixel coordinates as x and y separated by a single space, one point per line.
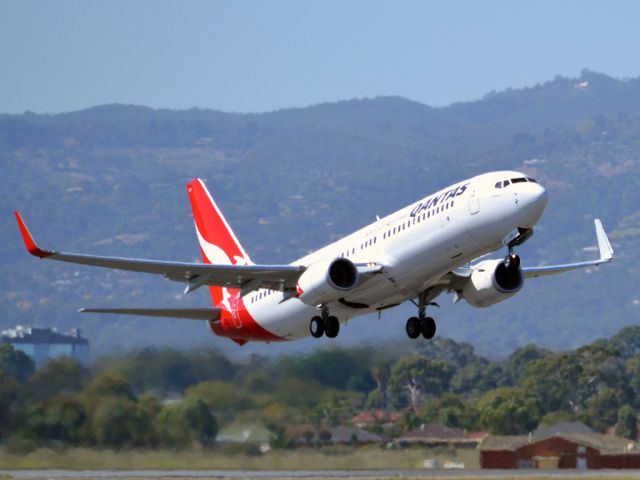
218 243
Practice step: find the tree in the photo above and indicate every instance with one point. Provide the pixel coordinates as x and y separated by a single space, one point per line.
456 354
515 366
15 363
337 368
633 371
109 386
450 410
335 407
219 396
554 383
114 422
189 421
61 418
507 411
279 439
147 409
602 408
57 376
9 391
477 378
627 425
415 377
380 374
627 341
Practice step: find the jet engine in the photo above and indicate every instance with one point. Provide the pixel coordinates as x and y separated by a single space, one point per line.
492 281
322 282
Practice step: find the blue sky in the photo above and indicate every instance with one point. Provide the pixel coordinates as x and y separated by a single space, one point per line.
253 56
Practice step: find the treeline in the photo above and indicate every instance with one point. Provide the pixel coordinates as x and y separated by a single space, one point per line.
163 398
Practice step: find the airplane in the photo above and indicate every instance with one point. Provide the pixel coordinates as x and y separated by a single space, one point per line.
432 246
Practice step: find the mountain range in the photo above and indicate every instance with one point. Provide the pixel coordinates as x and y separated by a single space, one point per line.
110 180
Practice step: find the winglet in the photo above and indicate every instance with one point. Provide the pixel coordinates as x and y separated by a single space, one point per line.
29 242
606 252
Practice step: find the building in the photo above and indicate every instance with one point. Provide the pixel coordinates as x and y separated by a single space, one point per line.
372 418
307 435
433 434
545 431
44 343
560 450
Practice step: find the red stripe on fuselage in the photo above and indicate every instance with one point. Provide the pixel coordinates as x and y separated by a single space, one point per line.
240 326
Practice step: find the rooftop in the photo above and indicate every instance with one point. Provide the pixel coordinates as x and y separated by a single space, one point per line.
34 335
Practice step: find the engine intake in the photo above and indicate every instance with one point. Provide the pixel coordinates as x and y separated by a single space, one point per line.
491 282
322 282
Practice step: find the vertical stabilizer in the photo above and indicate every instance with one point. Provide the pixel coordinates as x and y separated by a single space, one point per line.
218 243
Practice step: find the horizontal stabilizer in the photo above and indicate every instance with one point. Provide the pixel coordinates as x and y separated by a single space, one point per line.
190 313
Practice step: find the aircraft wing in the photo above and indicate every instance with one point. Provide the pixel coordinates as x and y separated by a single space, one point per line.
604 247
244 277
190 313
455 279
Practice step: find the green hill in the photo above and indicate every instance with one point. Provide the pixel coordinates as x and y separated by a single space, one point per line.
110 180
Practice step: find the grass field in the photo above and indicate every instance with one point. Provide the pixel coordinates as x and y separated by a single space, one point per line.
360 458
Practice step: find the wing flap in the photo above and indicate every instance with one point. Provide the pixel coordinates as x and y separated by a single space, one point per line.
188 313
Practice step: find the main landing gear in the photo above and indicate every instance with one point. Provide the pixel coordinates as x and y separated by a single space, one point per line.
324 325
422 324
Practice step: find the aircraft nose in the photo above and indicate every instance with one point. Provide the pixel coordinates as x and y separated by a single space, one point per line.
538 195
534 198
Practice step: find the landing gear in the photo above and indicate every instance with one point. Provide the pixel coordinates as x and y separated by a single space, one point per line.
422 324
428 328
324 325
331 327
413 327
516 238
316 327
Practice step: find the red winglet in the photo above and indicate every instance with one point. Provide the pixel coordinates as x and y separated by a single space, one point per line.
28 239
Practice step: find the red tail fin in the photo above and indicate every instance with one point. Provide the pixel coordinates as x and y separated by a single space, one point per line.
218 243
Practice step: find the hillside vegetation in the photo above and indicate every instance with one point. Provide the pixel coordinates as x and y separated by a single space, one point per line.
110 180
173 399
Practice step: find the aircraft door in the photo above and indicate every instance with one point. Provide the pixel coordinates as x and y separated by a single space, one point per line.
474 203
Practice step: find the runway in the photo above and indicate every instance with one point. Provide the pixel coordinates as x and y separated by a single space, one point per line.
314 474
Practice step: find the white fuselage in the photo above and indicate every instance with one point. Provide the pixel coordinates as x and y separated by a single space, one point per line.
417 246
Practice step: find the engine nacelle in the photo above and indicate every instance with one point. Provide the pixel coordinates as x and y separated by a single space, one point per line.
492 282
322 282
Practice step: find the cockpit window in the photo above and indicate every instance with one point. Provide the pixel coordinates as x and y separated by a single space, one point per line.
505 183
533 180
519 180
498 185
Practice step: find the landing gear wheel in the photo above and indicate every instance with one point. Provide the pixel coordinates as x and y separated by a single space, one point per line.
316 327
428 328
413 327
331 327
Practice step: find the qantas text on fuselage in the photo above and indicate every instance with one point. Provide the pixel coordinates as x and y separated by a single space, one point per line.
415 254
